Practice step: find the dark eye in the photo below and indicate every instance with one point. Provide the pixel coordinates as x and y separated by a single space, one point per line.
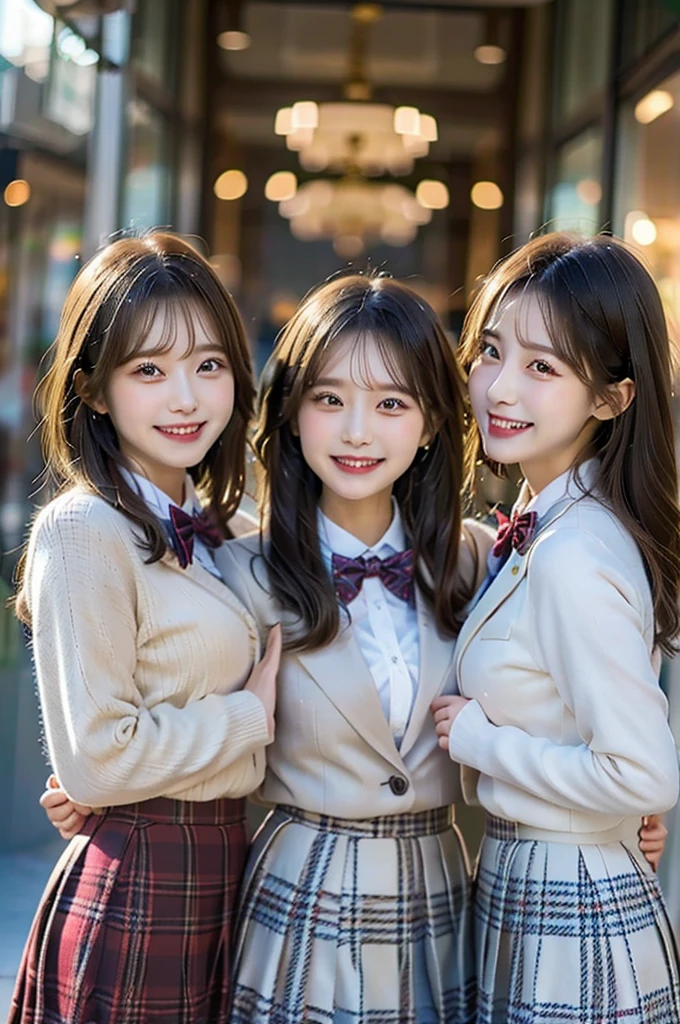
210 365
392 404
147 370
487 348
326 399
540 365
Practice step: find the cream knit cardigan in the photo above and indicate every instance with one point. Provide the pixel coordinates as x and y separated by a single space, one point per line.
140 668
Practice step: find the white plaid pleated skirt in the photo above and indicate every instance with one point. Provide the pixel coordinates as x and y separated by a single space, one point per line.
355 922
571 933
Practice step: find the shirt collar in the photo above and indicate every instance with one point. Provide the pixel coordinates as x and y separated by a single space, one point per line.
156 499
564 486
333 539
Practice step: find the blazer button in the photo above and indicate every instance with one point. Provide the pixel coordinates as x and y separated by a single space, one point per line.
398 784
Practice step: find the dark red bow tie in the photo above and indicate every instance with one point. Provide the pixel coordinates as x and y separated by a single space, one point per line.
516 533
395 573
183 528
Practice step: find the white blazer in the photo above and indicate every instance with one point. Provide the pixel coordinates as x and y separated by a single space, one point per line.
333 752
567 727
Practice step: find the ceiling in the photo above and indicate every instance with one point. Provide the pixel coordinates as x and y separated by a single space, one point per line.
418 53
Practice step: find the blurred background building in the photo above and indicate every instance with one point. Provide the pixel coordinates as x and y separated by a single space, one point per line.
287 138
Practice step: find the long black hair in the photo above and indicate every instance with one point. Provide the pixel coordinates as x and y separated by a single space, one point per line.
420 359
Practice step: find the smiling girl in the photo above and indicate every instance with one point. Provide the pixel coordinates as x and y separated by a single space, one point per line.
144 659
563 726
355 903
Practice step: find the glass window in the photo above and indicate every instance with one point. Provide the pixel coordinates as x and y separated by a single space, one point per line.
647 190
584 32
574 199
146 196
644 23
152 42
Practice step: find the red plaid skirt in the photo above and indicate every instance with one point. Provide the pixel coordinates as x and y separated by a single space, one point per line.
134 925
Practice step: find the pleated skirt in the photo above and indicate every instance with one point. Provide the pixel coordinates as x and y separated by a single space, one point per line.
134 926
571 933
355 922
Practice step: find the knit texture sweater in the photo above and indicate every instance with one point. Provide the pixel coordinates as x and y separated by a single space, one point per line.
140 667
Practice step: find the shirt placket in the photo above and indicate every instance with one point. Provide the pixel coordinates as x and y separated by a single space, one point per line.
396 670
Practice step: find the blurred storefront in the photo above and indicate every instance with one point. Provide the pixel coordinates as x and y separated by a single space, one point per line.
101 128
608 157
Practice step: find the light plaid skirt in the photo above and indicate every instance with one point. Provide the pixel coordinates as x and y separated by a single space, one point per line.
355 922
571 933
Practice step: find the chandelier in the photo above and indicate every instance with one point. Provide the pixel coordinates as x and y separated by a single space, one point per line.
355 134
352 212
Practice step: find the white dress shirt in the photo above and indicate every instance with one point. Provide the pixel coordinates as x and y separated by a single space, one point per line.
159 503
386 628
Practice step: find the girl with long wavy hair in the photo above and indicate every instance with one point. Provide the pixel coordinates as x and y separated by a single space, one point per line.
151 707
561 724
355 901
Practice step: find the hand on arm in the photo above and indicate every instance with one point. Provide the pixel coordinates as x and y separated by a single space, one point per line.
262 680
445 710
67 817
652 838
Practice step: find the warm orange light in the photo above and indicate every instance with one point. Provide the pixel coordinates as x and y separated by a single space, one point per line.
17 192
280 186
653 105
231 185
486 195
433 195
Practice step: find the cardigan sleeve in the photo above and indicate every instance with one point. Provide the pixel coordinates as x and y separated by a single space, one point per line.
107 745
589 637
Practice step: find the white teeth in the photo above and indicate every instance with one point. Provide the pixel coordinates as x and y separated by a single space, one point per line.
357 463
180 430
496 421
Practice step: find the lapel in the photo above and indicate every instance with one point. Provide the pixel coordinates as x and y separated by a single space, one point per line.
342 673
436 655
214 586
507 581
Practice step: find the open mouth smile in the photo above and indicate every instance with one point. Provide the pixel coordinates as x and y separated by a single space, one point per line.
183 432
352 464
501 427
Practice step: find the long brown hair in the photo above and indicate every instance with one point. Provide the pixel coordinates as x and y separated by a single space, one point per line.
417 353
604 316
107 315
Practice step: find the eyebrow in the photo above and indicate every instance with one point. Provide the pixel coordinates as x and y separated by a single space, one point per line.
202 349
532 346
378 385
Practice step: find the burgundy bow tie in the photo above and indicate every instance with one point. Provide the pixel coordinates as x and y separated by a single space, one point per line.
183 528
395 573
516 533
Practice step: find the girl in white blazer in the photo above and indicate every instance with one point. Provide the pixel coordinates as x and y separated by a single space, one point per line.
151 707
561 725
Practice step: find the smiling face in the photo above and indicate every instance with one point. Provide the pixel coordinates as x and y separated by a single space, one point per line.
359 431
170 403
530 406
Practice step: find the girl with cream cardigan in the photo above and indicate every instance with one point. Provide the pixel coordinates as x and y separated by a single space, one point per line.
152 707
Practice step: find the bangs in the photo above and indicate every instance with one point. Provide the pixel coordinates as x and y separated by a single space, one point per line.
399 368
182 317
558 308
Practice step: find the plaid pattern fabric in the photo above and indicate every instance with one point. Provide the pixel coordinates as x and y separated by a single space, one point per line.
362 922
134 927
569 934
